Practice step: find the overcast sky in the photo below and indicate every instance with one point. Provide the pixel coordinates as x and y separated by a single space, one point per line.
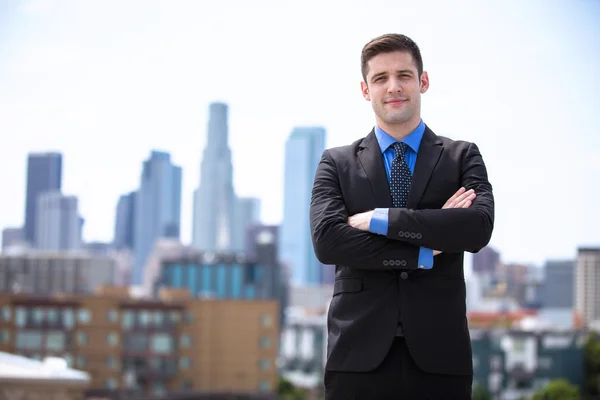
105 82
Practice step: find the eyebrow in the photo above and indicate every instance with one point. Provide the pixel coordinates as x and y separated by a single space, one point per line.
402 71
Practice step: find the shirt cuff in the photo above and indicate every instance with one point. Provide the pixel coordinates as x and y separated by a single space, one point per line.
379 221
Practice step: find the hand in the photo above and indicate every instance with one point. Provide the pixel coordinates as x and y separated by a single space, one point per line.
361 221
461 199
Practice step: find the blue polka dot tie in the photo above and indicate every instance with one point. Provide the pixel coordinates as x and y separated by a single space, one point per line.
400 176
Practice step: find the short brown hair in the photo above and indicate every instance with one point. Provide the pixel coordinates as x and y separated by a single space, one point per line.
388 43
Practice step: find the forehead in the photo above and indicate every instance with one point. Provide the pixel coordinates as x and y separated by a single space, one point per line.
391 62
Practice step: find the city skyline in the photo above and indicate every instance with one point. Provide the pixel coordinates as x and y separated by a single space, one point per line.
510 91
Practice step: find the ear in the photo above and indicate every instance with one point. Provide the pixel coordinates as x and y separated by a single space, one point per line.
365 91
424 82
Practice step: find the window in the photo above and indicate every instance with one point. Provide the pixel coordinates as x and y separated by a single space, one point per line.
264 364
127 320
161 343
144 318
4 336
82 338
112 316
185 341
83 316
158 318
545 362
111 362
52 316
112 339
265 342
136 342
38 315
6 313
264 386
68 318
81 361
175 317
29 340
184 363
56 341
158 388
111 383
266 320
20 316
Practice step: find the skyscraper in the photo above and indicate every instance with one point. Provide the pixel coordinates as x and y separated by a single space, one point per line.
214 199
125 221
44 173
58 224
157 207
303 151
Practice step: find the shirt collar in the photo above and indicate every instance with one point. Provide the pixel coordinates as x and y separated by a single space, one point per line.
413 140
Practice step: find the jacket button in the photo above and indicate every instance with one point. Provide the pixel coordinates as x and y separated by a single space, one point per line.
419 236
386 263
404 275
401 234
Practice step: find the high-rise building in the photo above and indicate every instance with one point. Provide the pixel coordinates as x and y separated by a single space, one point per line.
486 261
157 207
246 214
125 222
559 284
214 199
11 237
58 224
587 285
303 151
44 173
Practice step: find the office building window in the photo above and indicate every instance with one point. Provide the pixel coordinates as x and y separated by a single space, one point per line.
265 342
38 315
83 316
162 343
81 361
52 316
184 363
158 318
111 362
112 339
144 318
175 317
112 316
56 341
266 320
29 340
20 316
82 338
68 318
111 383
4 336
264 386
6 313
185 341
127 320
264 364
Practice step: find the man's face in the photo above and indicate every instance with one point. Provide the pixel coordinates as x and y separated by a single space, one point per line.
394 88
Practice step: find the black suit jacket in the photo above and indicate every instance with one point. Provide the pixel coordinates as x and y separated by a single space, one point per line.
376 276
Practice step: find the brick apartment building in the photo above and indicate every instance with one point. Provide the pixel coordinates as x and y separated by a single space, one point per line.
174 344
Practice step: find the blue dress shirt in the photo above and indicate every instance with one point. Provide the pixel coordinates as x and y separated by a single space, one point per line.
379 221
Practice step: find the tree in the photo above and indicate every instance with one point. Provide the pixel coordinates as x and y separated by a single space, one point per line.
480 392
592 366
287 391
558 389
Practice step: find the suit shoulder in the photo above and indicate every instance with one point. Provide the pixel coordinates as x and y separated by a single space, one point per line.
341 152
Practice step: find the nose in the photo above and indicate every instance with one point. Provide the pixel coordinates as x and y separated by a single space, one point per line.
394 85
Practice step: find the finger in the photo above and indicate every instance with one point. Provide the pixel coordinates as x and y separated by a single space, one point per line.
456 203
467 204
461 204
454 196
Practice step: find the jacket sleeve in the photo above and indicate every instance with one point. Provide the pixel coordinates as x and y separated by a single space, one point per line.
455 229
337 243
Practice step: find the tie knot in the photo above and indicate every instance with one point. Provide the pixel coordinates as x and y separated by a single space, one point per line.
400 148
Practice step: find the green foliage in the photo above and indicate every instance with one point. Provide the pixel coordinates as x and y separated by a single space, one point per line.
287 391
480 392
558 389
592 366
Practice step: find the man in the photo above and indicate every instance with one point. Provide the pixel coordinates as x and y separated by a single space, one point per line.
395 212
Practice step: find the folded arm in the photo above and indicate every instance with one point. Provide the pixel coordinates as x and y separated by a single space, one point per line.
336 242
451 229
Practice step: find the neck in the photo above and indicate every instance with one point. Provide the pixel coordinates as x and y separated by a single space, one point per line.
401 130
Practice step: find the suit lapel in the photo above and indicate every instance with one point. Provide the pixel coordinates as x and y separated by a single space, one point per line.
371 159
430 151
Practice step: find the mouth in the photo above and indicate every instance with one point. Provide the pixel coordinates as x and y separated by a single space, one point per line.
396 101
